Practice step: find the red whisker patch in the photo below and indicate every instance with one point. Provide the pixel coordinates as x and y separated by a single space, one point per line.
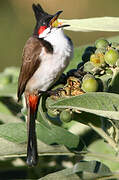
41 29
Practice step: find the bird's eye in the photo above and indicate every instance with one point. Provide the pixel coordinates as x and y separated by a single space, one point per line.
41 29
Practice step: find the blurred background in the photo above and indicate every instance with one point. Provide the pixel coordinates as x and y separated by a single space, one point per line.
17 23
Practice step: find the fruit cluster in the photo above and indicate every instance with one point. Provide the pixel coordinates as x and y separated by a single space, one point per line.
93 73
102 56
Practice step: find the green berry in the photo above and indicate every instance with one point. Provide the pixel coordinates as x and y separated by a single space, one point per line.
52 113
101 43
89 84
87 76
88 67
111 56
100 51
97 59
117 63
115 45
65 116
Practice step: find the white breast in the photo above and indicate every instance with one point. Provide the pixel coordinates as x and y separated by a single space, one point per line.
52 65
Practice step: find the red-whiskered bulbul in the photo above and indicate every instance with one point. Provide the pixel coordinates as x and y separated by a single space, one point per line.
45 56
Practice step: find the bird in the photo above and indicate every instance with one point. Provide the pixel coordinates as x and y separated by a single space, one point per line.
45 56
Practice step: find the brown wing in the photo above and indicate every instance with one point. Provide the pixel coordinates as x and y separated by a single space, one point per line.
30 63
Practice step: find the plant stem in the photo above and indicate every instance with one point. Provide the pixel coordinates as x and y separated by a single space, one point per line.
103 134
98 155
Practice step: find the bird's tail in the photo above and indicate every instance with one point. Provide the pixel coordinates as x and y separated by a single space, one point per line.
32 105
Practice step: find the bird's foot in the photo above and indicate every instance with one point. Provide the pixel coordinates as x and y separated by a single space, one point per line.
55 92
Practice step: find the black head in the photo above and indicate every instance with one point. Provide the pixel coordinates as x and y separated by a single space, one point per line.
45 20
42 17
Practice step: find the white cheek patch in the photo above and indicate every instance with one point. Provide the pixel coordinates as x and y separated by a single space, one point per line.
44 33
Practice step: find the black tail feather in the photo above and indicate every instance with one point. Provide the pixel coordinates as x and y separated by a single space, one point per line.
32 154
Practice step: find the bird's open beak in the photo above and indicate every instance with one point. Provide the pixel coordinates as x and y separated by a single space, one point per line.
54 21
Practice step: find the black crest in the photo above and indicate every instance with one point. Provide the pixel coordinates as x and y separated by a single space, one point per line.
38 11
42 17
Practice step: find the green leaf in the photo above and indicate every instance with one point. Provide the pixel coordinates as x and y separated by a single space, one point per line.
8 90
86 118
41 115
105 151
88 67
114 84
93 24
95 122
77 58
87 170
9 118
99 103
16 132
11 149
57 135
13 138
93 167
50 133
4 109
